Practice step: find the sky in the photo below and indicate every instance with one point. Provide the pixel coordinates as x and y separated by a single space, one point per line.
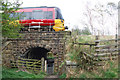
72 10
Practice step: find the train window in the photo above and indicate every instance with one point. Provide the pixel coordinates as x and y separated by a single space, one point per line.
11 15
48 14
34 15
14 15
59 15
42 15
26 15
37 15
22 15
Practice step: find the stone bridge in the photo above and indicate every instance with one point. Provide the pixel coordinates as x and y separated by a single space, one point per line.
36 44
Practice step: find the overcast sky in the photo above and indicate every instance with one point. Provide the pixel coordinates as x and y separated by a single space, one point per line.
72 10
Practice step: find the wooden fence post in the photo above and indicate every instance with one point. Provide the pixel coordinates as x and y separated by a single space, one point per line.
90 48
116 40
45 65
97 42
96 38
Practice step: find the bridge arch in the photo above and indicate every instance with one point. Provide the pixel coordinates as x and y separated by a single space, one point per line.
36 53
32 51
26 47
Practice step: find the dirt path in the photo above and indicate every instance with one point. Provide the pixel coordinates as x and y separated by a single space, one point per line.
52 76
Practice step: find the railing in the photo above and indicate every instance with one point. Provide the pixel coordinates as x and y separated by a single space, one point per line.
87 44
40 27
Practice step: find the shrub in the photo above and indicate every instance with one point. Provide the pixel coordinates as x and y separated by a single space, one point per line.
10 25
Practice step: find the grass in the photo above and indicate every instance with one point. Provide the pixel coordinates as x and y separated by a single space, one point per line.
82 76
110 72
11 73
63 75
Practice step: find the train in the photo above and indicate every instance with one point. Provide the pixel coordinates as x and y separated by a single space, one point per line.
41 17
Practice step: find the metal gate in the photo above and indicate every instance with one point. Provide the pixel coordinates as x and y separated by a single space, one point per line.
50 66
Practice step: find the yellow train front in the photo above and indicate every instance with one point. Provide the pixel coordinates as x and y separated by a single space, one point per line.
40 17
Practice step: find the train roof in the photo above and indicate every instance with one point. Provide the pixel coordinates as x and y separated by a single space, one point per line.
38 7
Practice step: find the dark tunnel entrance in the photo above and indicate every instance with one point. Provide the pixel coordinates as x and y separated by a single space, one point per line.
36 53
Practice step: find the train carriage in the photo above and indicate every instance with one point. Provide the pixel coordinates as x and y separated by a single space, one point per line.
40 17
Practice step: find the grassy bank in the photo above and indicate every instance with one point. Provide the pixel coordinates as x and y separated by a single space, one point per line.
11 73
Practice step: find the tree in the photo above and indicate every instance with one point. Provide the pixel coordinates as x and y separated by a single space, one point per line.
112 11
10 25
77 31
100 17
86 31
89 18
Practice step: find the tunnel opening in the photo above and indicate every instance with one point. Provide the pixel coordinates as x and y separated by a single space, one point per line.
36 53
